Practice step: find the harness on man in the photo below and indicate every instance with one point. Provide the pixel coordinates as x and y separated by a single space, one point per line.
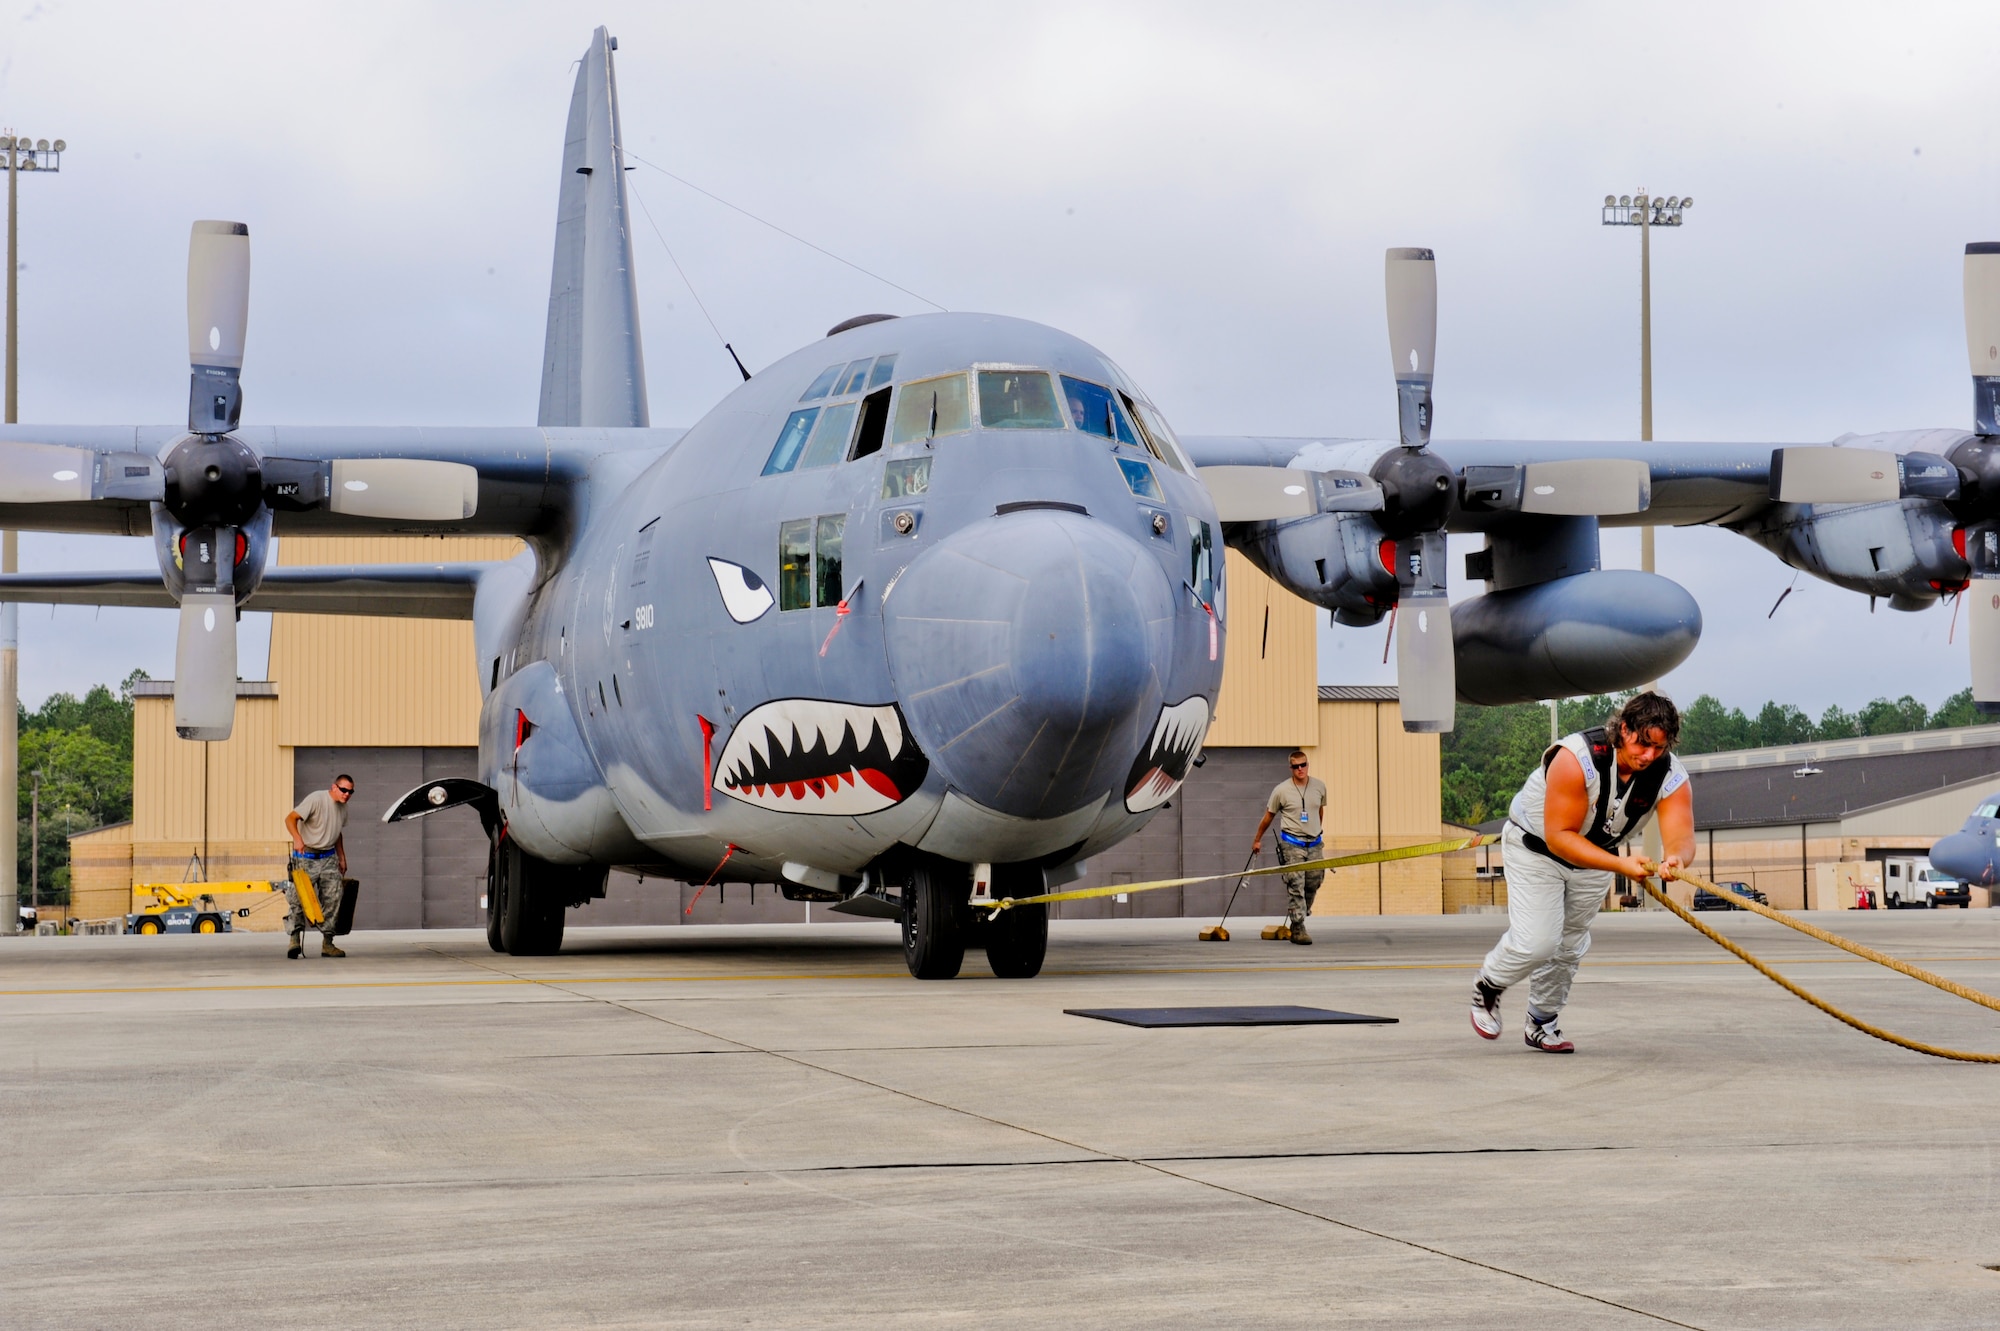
1644 792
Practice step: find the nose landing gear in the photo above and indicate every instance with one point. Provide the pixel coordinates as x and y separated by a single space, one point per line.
939 924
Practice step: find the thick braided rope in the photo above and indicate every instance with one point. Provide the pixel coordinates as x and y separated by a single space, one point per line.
1918 1046
1845 944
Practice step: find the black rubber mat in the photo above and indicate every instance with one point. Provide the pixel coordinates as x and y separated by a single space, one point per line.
1281 1015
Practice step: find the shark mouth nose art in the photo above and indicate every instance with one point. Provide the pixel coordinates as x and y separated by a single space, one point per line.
1163 764
801 755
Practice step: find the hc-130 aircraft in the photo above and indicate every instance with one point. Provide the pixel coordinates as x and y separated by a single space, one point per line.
934 605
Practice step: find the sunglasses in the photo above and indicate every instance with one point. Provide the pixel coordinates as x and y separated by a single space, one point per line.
1298 766
344 790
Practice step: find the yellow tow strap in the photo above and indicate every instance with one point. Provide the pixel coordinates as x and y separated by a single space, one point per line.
1814 931
1339 862
308 898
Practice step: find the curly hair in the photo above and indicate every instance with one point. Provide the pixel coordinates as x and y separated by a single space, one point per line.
1649 711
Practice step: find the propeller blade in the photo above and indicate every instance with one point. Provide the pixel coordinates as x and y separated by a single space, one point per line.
45 473
218 306
1274 494
1587 487
1426 658
1411 280
1982 332
205 666
1426 664
58 474
404 489
1833 476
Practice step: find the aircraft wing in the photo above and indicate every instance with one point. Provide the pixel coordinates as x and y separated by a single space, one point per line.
412 591
1727 484
323 480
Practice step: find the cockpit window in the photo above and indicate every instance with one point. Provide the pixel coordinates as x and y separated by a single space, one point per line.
1988 810
1139 479
822 385
829 437
883 369
1017 400
1093 410
931 407
785 453
1201 560
857 375
1158 431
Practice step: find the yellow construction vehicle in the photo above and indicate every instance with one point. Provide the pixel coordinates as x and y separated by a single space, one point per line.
185 908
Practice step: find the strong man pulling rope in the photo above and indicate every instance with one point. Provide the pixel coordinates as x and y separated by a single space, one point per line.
1593 790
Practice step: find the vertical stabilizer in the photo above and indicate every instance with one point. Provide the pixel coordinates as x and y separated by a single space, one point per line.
593 371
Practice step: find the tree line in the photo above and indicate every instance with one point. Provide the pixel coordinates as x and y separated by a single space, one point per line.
1493 749
83 749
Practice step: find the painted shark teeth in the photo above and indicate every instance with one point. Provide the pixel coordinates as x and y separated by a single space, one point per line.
1163 764
804 755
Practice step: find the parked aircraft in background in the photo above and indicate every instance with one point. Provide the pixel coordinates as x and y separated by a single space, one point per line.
1972 853
933 599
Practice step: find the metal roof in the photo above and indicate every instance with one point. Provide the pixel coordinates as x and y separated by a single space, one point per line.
1362 693
1798 755
245 688
1823 783
1823 790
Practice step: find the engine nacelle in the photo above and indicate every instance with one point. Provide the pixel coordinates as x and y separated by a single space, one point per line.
1592 632
254 551
1909 551
1332 559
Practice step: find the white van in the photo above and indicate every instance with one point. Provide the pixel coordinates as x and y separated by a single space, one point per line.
1912 884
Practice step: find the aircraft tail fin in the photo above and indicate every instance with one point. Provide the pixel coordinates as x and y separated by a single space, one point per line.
593 369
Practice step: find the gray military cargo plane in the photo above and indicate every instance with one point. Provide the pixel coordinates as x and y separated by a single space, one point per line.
1972 853
935 605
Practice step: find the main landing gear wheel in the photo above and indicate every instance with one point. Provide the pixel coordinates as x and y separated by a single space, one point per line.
495 902
935 919
525 906
1017 939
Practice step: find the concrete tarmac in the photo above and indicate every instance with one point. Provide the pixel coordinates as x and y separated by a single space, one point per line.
777 1127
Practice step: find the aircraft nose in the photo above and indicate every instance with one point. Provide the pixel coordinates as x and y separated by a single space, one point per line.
1967 857
1028 649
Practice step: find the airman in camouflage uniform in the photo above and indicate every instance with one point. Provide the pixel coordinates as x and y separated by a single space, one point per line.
319 849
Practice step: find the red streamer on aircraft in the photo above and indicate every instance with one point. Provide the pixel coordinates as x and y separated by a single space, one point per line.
707 777
840 613
711 877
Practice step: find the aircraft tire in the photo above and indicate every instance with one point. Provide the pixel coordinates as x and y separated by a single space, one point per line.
531 915
1017 940
934 922
496 899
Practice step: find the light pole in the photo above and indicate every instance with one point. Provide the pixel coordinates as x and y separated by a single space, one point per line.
23 154
35 846
1645 212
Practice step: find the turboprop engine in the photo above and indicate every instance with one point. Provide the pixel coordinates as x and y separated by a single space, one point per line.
1907 547
1343 561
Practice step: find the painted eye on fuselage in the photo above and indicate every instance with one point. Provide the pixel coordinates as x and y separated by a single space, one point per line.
744 594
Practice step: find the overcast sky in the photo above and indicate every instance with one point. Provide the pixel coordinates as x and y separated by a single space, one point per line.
1203 191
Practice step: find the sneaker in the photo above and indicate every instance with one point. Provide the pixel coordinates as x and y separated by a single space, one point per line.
1486 1009
327 949
1300 936
1548 1039
296 951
